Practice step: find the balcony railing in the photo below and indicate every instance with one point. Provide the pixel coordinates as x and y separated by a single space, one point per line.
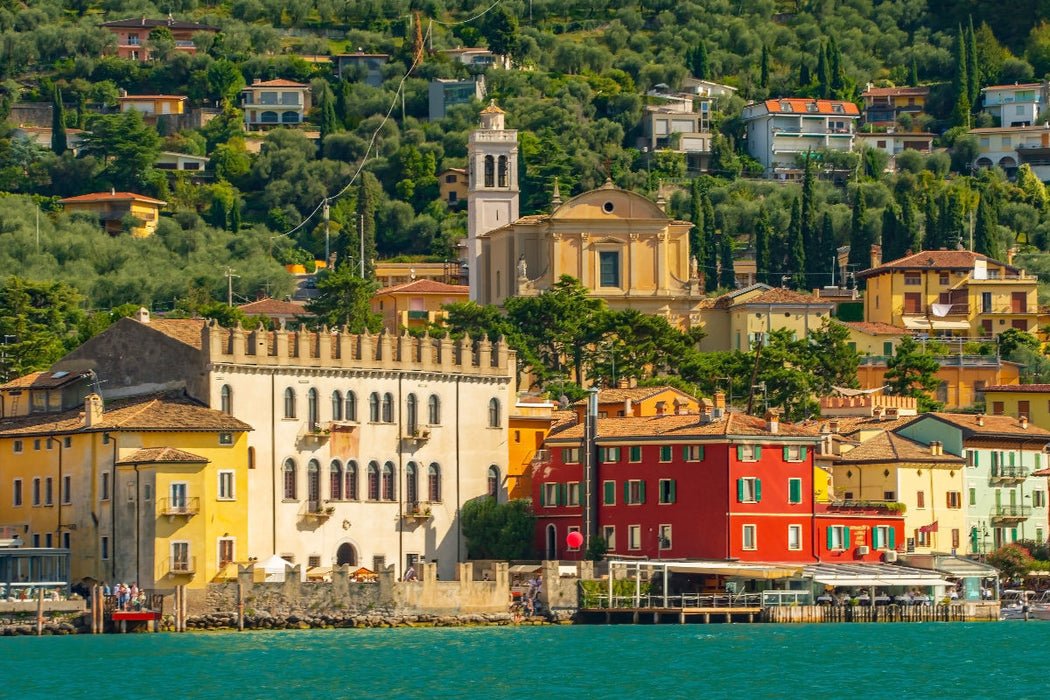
1005 473
419 434
179 506
182 565
1011 512
418 315
419 510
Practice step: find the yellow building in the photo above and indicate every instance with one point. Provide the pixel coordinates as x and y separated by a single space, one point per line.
872 338
453 184
1016 400
962 378
529 423
883 106
153 105
950 292
416 304
626 401
149 490
928 482
392 274
119 209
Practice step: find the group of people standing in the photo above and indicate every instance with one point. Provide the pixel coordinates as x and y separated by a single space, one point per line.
127 597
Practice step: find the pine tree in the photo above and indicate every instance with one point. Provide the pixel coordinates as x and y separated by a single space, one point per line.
986 228
796 249
859 239
763 234
973 71
726 273
763 73
710 241
58 123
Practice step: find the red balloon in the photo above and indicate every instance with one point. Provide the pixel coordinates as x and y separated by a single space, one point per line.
574 540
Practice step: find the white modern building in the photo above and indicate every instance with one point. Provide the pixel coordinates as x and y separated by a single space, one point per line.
780 129
1015 105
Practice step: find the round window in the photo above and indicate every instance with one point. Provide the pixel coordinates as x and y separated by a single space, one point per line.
608 207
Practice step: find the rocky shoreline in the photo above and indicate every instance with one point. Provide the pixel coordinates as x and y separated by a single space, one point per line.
264 621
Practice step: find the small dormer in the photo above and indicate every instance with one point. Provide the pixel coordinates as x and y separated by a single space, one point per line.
492 117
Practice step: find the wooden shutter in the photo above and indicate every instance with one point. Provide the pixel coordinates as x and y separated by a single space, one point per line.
976 458
563 494
626 492
845 537
610 493
795 490
758 452
739 489
641 491
740 453
787 453
758 490
893 538
636 453
831 539
543 494
701 455
672 492
665 453
802 451
685 453
874 538
1012 458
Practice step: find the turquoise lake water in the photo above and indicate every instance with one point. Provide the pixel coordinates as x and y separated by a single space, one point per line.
933 660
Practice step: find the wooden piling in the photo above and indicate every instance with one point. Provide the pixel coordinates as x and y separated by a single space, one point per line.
240 607
39 611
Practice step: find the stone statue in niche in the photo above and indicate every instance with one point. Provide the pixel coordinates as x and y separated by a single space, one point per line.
694 268
522 267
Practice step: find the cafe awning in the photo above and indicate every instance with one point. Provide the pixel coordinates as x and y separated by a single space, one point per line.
867 575
716 568
937 324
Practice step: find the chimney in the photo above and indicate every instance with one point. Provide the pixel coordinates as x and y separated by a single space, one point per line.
628 407
678 404
876 254
879 412
142 315
92 410
661 408
980 420
256 81
936 448
833 426
772 421
623 383
1024 422
720 400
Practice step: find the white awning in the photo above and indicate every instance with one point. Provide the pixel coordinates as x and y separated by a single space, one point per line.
867 575
937 324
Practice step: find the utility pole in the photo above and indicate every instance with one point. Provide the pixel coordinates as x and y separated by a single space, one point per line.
327 240
229 286
361 235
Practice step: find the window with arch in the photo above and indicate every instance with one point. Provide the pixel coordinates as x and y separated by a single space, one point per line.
493 483
388 481
490 171
289 403
434 482
373 481
335 480
226 399
502 171
411 485
337 405
494 413
411 414
388 408
313 484
350 409
289 479
312 409
373 407
434 410
351 481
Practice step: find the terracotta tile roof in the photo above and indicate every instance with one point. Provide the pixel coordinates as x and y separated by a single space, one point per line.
274 307
779 295
1019 130
1042 472
132 98
992 425
185 330
425 287
891 447
684 427
801 106
153 23
635 393
892 91
1015 86
873 327
112 197
492 109
159 413
278 82
161 455
1024 388
934 260
22 382
850 426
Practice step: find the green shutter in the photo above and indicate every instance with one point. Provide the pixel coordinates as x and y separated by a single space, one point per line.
563 494
543 494
641 491
685 453
739 489
672 491
1011 458
795 490
616 454
636 453
831 539
758 452
740 453
701 451
893 538
787 453
976 458
1038 461
758 490
874 538
845 537
665 453
995 460
610 493
803 452
626 492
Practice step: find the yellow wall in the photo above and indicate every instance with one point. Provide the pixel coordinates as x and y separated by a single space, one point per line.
114 212
961 381
1038 405
745 321
867 344
394 308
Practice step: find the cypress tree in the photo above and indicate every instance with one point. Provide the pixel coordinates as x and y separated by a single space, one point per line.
973 71
329 123
828 249
859 240
909 227
763 234
696 233
235 216
823 75
700 64
763 73
913 75
954 220
796 250
804 78
835 69
727 273
58 123
960 115
808 222
710 241
892 235
931 239
367 195
986 228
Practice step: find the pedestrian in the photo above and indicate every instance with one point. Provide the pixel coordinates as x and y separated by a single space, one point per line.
410 575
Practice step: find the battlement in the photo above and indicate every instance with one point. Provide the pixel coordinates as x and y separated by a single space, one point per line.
341 349
873 405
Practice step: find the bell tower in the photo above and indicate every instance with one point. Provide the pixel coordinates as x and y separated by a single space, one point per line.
492 194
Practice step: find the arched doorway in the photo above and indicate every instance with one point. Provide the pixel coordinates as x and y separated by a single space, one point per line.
552 542
346 554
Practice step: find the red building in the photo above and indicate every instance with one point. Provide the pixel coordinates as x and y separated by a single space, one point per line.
854 532
716 485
